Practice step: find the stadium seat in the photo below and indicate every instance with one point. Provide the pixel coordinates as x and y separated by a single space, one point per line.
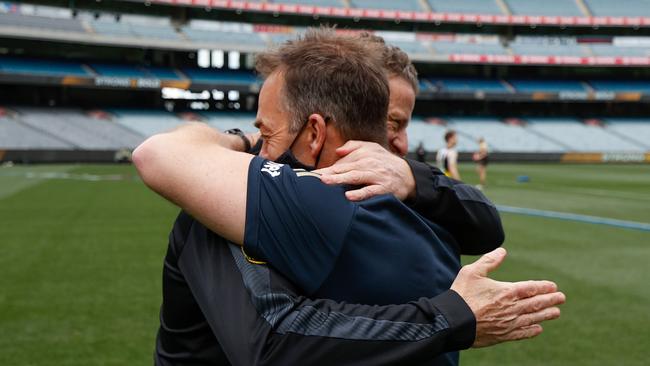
331 3
545 49
631 8
78 130
636 130
549 86
413 47
466 6
546 7
226 120
17 135
500 136
430 135
145 122
468 85
447 48
619 51
49 24
580 137
224 37
621 85
213 76
130 71
41 67
404 5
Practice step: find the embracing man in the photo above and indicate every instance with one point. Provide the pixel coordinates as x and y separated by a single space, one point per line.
262 241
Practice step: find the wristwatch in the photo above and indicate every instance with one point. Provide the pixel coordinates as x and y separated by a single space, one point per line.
240 133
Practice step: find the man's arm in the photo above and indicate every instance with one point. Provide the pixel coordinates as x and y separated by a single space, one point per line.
194 167
461 209
259 318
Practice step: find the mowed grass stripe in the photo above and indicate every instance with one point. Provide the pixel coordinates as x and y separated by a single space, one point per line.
15 182
81 271
611 191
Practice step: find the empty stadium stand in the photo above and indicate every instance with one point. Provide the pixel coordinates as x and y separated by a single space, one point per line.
332 3
550 86
546 7
208 76
577 136
466 6
235 33
16 135
405 5
635 130
55 20
468 85
227 120
502 137
72 129
145 122
77 130
442 47
619 7
135 26
621 85
41 67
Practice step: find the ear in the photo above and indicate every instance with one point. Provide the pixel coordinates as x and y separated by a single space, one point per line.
316 134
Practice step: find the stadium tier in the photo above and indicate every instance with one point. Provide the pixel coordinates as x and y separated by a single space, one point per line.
633 129
17 135
466 6
616 8
133 30
467 85
551 86
24 66
403 5
578 136
40 128
546 7
247 79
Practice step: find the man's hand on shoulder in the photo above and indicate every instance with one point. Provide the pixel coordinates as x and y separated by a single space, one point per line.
373 168
505 311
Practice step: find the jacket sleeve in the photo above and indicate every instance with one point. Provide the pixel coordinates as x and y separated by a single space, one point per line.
459 208
260 319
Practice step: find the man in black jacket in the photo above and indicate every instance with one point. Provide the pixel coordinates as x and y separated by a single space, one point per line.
212 289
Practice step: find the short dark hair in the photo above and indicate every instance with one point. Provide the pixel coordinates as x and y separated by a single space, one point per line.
337 76
449 134
396 62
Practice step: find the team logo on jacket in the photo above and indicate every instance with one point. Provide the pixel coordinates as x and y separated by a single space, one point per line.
272 168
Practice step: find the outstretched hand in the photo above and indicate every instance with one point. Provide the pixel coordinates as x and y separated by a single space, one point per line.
505 311
371 167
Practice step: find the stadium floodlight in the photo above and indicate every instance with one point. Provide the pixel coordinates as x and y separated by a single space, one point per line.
203 58
233 60
176 93
233 95
217 58
217 94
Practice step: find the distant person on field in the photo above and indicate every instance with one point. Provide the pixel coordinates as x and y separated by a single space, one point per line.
421 153
447 157
481 159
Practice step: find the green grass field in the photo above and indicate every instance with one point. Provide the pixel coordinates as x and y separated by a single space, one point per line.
81 263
